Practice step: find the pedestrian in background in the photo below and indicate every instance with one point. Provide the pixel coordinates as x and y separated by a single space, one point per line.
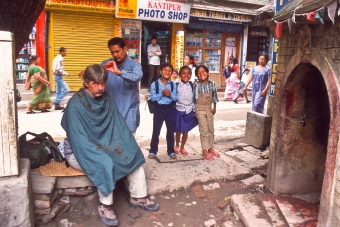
164 110
233 81
175 77
244 81
189 60
205 95
123 82
61 86
185 117
38 81
154 51
261 79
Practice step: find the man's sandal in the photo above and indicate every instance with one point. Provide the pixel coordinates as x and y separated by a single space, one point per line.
172 156
152 156
213 152
184 152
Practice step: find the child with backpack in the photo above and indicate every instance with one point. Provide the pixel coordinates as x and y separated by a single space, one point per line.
205 96
185 117
164 94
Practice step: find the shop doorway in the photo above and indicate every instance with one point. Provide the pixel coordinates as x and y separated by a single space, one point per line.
163 33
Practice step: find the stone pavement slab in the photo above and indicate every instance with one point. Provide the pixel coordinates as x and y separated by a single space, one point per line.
171 176
250 211
257 179
249 160
192 155
253 150
272 210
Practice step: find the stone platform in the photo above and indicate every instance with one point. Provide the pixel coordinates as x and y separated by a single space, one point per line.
16 202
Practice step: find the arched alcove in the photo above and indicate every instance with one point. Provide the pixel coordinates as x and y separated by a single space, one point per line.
303 158
303 133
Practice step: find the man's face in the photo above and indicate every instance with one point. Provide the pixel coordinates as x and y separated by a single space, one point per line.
64 53
154 41
95 89
118 53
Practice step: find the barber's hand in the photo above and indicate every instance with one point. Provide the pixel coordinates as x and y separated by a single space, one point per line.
166 92
112 67
264 92
213 111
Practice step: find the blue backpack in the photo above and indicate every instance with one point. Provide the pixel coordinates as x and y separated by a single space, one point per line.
227 70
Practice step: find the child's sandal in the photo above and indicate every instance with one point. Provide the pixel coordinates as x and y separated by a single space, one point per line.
176 150
207 156
152 156
184 152
213 152
172 156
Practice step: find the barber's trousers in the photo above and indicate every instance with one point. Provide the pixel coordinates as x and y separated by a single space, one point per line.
136 181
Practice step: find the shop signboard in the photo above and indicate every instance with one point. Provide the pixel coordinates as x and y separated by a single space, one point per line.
278 6
163 11
84 4
219 17
274 67
179 49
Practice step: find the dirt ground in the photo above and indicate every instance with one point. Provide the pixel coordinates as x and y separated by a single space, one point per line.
179 208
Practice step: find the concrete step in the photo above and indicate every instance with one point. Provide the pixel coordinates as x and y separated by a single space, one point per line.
271 210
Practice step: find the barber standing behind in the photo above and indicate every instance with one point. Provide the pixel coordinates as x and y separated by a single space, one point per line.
123 82
154 51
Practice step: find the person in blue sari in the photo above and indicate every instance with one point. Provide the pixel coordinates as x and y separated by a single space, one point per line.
103 145
261 80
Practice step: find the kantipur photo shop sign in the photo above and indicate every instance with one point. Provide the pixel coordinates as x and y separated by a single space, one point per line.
163 11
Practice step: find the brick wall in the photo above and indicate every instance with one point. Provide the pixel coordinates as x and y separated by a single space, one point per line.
324 41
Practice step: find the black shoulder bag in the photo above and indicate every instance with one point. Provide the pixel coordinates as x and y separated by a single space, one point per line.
39 150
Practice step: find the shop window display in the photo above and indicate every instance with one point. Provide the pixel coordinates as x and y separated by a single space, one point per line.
205 46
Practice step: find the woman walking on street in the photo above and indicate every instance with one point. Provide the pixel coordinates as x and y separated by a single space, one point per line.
233 81
261 79
37 79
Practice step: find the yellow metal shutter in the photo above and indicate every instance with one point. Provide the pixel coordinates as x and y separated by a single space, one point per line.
85 37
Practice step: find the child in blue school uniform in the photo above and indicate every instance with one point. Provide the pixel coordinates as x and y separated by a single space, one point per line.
164 110
185 117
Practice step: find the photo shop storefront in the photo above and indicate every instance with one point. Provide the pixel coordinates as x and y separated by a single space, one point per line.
215 38
145 19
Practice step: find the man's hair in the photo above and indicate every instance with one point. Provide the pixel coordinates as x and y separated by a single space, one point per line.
201 66
62 49
116 41
166 64
154 37
96 73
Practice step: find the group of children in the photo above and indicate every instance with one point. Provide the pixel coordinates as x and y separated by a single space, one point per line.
183 105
